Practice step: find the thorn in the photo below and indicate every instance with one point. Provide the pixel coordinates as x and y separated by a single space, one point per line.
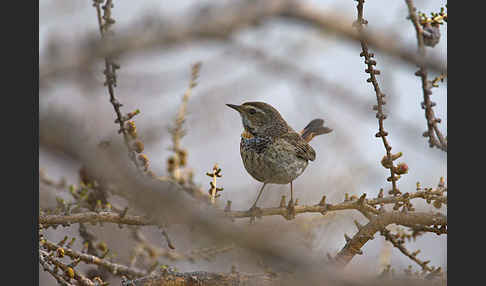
323 201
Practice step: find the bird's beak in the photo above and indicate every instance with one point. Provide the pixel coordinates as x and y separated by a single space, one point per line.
235 107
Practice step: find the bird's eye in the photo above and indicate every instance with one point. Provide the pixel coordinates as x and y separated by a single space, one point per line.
251 111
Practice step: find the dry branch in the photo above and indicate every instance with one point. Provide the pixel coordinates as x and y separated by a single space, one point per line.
59 278
380 98
114 268
81 279
104 23
399 245
378 223
436 138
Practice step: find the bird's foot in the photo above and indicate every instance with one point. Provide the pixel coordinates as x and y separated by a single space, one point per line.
254 212
290 210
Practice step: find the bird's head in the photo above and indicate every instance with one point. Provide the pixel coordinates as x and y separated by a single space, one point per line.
260 118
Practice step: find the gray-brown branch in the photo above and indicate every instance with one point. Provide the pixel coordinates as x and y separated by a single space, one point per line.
378 223
436 138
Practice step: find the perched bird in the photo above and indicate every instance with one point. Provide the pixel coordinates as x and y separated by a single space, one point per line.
271 151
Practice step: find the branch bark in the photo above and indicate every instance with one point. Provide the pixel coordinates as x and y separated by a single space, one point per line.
378 223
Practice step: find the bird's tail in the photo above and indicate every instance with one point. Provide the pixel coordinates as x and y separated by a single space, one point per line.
314 128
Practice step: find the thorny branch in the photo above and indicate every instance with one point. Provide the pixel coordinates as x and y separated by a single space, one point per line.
59 278
361 204
380 98
398 243
436 138
114 268
68 270
379 222
105 22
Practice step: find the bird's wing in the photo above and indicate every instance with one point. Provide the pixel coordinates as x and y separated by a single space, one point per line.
302 148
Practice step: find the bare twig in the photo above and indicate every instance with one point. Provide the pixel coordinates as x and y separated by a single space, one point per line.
70 272
380 98
114 268
178 160
105 21
436 138
399 244
377 223
60 279
361 204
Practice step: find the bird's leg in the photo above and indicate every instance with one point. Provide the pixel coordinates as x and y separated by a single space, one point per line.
254 210
291 205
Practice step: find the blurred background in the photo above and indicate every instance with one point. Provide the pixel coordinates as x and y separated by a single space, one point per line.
301 71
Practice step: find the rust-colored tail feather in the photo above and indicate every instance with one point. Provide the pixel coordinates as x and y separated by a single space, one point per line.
314 128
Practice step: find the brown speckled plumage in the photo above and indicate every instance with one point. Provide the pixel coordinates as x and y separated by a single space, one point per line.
271 151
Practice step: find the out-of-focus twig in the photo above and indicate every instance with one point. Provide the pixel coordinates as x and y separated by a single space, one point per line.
93 217
154 252
178 160
219 22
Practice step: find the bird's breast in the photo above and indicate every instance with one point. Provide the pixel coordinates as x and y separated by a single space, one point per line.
269 161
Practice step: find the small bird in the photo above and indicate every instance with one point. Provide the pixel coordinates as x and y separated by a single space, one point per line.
271 151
